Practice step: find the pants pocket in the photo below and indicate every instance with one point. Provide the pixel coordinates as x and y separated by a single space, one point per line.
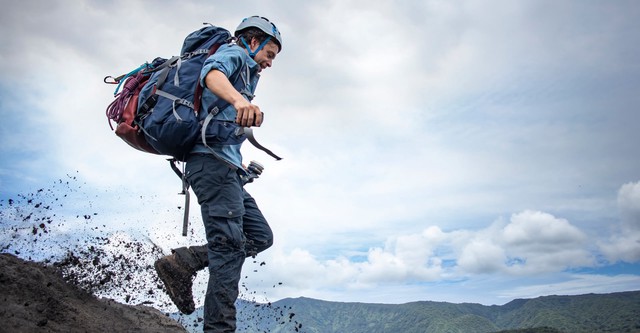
225 234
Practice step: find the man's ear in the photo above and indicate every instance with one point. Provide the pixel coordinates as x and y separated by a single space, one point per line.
254 43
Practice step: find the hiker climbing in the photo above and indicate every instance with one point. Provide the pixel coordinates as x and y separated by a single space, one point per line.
197 108
234 225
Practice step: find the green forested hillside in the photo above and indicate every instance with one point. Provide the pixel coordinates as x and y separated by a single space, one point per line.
617 312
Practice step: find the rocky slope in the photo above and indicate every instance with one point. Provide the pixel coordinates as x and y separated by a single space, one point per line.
35 298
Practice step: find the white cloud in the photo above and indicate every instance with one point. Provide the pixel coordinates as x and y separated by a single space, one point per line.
575 284
624 243
540 232
545 243
482 256
531 243
629 206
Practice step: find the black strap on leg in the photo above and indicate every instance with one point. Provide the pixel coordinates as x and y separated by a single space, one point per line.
185 192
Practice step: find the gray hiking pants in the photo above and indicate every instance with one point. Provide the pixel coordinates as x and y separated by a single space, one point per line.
235 228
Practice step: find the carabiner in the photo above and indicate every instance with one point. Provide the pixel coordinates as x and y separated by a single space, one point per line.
113 80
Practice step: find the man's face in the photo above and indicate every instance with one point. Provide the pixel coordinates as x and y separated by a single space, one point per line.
265 57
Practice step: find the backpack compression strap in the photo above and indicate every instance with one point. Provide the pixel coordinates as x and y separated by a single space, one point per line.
249 133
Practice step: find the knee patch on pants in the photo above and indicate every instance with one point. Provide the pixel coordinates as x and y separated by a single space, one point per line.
225 234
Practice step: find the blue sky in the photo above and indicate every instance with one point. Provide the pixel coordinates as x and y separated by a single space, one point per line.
459 151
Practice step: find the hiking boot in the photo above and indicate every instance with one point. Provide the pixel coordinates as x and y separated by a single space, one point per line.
178 280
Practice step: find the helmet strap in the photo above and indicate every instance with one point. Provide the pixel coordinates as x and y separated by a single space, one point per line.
253 53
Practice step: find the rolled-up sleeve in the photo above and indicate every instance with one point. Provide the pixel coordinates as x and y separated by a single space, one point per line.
228 60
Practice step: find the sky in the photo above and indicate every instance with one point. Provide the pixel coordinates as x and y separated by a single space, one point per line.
459 151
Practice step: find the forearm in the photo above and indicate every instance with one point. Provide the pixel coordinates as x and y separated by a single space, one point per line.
220 85
247 114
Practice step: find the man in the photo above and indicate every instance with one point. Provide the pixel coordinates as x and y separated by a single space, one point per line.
235 227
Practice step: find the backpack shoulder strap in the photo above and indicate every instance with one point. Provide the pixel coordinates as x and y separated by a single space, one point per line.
197 96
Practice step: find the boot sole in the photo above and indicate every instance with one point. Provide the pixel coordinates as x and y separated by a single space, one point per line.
164 274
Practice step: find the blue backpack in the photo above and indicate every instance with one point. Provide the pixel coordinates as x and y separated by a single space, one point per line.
157 109
169 103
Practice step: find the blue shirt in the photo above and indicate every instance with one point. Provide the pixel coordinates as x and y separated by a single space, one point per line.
237 65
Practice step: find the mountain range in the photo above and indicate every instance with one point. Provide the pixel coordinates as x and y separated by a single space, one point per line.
615 312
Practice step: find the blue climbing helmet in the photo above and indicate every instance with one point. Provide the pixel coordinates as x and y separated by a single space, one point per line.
263 24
